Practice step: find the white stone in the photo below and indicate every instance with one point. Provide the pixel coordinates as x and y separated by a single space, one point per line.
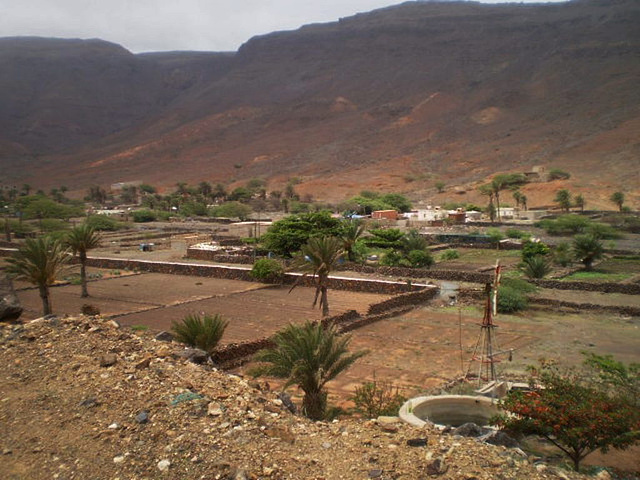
163 465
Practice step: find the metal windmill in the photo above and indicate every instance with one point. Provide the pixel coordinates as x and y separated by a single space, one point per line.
486 349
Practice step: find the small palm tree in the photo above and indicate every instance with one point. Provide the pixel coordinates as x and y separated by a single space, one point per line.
587 249
39 261
308 356
201 332
320 256
82 239
618 199
536 267
352 232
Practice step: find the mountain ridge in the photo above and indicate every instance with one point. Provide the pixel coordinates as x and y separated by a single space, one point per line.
454 91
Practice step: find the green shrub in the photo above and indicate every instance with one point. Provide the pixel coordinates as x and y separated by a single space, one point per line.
143 216
557 174
392 259
450 254
534 249
419 259
519 285
603 231
562 254
515 233
267 270
373 399
565 225
102 223
50 225
201 332
511 300
536 267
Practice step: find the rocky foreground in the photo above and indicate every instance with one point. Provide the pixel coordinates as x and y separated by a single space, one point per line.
81 398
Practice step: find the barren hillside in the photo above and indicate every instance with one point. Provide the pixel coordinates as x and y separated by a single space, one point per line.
393 99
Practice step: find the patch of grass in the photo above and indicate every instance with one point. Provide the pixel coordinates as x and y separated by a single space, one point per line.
139 328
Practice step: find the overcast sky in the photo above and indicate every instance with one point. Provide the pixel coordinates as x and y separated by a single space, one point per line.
161 25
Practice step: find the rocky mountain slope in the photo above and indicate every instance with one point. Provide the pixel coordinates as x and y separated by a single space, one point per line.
392 99
81 398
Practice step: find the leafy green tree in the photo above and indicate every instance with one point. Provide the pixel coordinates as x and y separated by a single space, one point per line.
287 236
587 249
351 232
618 199
440 186
96 194
308 356
144 216
532 249
396 202
412 240
39 261
102 223
319 257
573 414
563 199
80 240
232 209
385 238
148 189
205 189
614 376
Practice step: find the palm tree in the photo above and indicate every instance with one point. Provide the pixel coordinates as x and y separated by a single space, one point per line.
579 202
319 256
308 356
82 239
618 199
563 199
39 261
587 249
352 232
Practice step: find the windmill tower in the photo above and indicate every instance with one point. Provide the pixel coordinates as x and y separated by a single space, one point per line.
486 349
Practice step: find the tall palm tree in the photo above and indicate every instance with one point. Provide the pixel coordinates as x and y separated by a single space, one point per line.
308 356
351 233
39 261
320 256
82 239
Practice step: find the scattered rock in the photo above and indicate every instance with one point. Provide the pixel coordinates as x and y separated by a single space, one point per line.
468 430
164 337
281 433
142 417
417 442
10 308
214 409
90 310
389 428
437 467
497 437
287 402
163 465
118 459
142 364
375 473
387 420
108 359
89 402
193 355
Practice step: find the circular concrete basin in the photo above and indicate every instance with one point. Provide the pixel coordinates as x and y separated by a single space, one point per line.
453 410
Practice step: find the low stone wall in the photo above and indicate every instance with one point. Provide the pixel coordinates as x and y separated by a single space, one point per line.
404 300
216 271
238 273
618 309
451 275
215 256
234 351
626 288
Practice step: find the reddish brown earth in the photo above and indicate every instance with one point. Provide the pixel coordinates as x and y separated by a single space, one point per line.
395 99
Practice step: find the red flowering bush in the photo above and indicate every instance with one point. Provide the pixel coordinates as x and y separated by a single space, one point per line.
574 413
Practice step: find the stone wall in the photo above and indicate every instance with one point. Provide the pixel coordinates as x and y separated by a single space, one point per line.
240 273
626 288
617 309
451 275
404 300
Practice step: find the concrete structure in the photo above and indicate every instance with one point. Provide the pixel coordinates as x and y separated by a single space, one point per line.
443 410
459 215
474 216
384 215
